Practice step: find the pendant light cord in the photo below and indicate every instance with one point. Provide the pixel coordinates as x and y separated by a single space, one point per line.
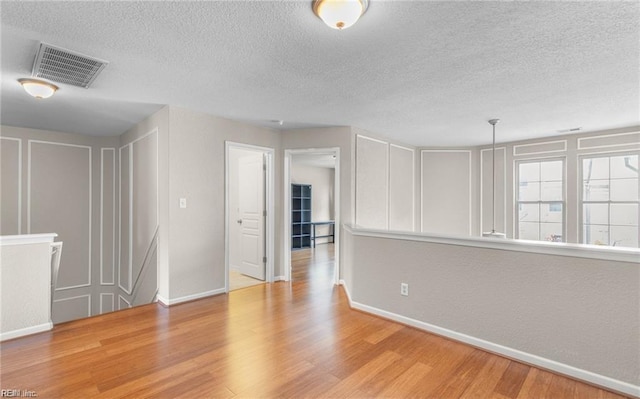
493 184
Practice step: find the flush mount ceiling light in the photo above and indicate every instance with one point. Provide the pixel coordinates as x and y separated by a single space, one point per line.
493 233
340 14
38 88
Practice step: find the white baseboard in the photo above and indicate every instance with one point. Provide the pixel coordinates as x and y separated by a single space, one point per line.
175 301
26 331
548 364
279 278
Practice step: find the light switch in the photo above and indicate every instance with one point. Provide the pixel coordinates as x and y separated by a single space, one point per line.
183 202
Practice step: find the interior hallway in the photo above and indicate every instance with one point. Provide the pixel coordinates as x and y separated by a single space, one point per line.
297 339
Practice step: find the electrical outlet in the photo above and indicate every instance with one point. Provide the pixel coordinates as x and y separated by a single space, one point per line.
183 203
404 289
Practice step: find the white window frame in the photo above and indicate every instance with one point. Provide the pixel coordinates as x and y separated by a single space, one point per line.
581 202
516 216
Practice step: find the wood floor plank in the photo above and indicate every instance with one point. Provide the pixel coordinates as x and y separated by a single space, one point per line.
512 380
487 379
296 339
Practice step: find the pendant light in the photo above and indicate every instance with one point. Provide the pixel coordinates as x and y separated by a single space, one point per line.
493 233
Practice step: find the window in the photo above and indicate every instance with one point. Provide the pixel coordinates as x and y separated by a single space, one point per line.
540 200
610 200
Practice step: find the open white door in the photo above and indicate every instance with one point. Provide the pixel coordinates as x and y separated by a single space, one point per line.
251 201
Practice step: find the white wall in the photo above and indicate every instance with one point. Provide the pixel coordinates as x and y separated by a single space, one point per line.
322 187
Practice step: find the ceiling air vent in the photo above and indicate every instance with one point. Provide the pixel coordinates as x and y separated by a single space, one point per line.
65 66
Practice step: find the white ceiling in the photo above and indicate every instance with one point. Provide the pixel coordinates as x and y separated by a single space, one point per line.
425 73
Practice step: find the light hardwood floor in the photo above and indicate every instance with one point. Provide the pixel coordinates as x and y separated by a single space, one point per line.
272 340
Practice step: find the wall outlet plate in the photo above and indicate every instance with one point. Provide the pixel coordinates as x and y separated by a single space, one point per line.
183 203
404 289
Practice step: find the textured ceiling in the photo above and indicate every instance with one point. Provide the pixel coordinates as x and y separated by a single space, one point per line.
423 72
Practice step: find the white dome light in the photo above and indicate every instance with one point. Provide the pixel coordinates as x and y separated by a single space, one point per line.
340 14
38 88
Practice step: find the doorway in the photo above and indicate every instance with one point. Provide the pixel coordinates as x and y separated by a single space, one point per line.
312 214
248 216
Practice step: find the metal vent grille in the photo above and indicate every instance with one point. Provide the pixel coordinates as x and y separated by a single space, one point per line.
65 66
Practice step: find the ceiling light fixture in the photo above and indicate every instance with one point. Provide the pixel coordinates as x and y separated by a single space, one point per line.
493 233
340 14
38 88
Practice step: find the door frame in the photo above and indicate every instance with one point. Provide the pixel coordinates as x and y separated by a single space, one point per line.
269 207
287 208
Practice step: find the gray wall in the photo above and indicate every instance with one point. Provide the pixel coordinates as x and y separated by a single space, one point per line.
60 178
581 312
196 172
160 122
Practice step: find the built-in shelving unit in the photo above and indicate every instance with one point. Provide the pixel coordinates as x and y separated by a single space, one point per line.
300 216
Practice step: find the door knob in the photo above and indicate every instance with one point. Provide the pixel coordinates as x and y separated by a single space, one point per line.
239 221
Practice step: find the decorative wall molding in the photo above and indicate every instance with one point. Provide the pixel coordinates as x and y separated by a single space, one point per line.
131 167
504 149
120 300
538 148
90 188
629 139
113 214
413 184
102 303
358 205
74 298
129 226
422 194
19 179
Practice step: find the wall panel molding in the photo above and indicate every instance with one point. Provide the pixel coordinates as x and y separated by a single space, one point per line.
19 188
469 185
30 145
111 303
504 187
391 185
129 225
610 140
123 303
73 311
372 182
540 148
112 160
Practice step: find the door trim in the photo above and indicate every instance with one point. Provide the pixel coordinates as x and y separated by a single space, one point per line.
286 255
269 206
